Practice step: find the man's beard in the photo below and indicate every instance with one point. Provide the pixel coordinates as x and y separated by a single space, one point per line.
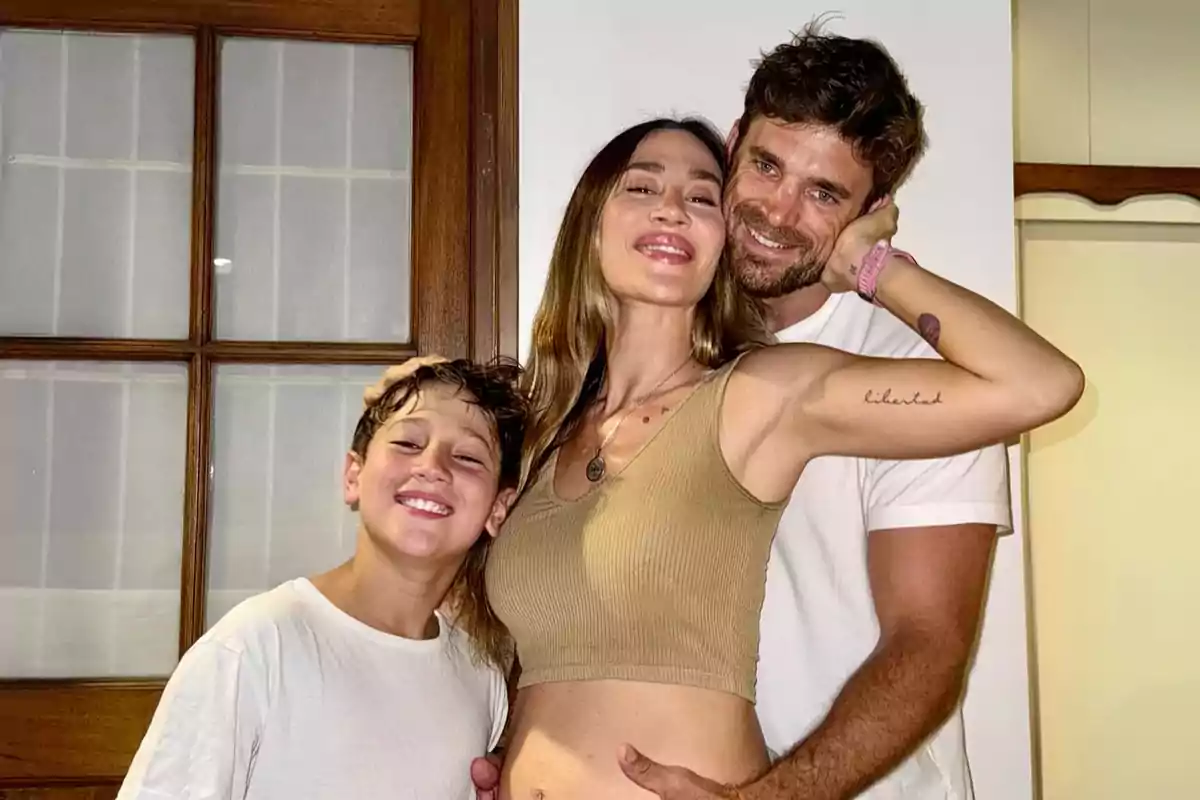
766 279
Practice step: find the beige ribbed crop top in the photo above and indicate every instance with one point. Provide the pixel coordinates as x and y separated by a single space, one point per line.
657 574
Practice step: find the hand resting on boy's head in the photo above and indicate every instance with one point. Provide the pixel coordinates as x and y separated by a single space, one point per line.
398 372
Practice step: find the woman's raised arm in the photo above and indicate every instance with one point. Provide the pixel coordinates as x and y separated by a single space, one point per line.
999 378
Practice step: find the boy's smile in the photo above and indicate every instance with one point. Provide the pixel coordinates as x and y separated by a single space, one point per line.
424 504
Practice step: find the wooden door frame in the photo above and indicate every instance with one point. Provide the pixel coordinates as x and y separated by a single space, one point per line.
78 735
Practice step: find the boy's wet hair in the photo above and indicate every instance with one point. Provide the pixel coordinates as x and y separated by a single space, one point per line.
494 389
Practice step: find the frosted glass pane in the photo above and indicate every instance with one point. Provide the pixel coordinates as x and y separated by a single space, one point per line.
28 232
101 92
32 67
246 215
91 517
312 266
381 136
166 133
280 437
314 219
95 266
95 184
316 104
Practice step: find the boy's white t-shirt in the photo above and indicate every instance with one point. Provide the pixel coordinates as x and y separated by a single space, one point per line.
818 621
290 698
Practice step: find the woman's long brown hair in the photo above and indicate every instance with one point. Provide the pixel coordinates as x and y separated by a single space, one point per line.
566 366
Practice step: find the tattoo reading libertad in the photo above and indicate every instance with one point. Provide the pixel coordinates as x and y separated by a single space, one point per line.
930 328
886 398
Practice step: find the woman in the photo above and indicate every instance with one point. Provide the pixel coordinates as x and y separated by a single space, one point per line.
665 445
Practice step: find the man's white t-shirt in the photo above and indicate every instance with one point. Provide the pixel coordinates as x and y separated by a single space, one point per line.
290 698
818 619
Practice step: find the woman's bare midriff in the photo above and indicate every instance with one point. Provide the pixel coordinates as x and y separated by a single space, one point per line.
565 738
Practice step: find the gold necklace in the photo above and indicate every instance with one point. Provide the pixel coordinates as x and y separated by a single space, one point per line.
596 467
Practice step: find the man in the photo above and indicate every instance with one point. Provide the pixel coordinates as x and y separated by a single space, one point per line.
878 572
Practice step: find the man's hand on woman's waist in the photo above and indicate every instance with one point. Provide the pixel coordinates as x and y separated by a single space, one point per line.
671 783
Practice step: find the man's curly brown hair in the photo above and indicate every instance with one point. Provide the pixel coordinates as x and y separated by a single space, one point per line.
852 85
494 389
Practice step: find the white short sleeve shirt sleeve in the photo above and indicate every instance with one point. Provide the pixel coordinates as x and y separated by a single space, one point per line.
499 703
968 488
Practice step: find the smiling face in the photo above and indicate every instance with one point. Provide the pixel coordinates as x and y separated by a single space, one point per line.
427 486
792 189
661 231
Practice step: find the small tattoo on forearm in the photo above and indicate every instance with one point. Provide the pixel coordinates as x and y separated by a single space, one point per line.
930 328
886 398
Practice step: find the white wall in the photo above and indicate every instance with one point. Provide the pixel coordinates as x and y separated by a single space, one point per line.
588 69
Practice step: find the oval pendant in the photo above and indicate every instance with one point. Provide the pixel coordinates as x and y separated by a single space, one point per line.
595 468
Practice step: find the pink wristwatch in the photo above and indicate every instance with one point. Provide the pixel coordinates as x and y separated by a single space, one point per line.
873 264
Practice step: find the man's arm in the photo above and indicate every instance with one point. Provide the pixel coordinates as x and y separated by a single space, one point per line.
928 586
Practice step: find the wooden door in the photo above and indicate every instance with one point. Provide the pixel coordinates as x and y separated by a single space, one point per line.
217 218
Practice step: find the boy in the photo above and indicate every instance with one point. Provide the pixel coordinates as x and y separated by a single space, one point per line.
353 684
